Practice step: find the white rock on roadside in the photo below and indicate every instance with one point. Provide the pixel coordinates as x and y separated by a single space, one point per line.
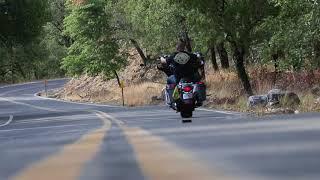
257 101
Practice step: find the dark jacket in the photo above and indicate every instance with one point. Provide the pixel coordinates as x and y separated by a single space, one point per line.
188 70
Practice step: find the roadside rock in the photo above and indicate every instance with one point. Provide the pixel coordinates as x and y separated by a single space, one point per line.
277 97
276 102
316 91
274 97
257 101
317 101
291 99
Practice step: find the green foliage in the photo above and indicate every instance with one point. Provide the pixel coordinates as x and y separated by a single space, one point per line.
155 24
36 35
234 21
94 49
21 24
22 20
294 32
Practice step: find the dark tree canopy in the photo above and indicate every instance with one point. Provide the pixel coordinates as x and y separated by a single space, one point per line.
85 36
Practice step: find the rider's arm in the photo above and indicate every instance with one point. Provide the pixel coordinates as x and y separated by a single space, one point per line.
164 65
200 63
170 59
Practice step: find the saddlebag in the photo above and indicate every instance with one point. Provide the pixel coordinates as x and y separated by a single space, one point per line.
201 92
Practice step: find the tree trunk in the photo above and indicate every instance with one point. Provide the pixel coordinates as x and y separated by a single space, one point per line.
317 53
239 54
223 54
20 70
35 74
214 59
12 59
185 34
188 42
140 51
275 58
117 76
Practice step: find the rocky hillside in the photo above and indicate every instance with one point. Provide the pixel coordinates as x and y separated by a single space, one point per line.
143 85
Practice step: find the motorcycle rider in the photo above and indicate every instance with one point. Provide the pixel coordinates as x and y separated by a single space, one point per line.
181 64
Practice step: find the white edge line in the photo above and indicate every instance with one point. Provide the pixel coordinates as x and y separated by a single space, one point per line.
60 100
111 118
102 105
222 112
30 105
8 122
14 85
34 82
45 127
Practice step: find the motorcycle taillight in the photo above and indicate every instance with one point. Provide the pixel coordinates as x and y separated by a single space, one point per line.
187 89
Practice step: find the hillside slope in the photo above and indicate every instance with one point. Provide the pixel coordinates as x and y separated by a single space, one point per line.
144 86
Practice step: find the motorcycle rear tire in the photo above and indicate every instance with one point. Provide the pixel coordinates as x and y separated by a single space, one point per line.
186 114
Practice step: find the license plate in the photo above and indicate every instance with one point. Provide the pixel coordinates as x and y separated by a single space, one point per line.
187 96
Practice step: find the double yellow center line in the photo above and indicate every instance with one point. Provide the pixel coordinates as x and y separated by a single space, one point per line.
67 164
157 158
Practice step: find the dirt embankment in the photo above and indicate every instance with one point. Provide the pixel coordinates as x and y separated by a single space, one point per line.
144 86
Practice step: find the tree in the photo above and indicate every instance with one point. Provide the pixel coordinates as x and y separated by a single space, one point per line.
214 58
236 21
155 24
22 22
94 49
223 54
54 27
295 33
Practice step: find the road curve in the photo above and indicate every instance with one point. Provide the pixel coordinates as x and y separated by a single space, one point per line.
47 139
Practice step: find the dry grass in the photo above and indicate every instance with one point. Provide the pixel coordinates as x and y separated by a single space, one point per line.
142 94
223 84
224 88
308 103
96 90
226 91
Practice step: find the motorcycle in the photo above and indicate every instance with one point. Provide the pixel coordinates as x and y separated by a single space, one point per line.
186 97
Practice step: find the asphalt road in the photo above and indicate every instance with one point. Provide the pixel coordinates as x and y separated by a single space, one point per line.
43 139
